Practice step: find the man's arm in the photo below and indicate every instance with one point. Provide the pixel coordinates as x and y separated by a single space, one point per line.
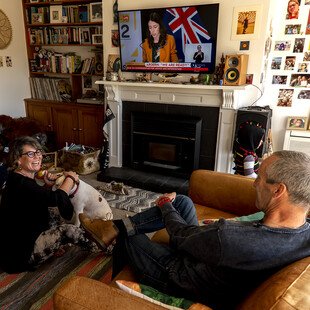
199 242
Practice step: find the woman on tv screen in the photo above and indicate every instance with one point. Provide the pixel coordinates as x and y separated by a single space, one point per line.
158 46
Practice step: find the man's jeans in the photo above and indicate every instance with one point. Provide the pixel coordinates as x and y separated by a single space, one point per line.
149 259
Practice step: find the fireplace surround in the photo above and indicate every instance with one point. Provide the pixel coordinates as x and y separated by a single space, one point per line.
171 96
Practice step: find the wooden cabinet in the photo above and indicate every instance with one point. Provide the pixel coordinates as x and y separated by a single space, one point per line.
71 122
41 112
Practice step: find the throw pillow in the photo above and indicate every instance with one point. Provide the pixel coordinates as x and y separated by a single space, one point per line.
152 295
247 218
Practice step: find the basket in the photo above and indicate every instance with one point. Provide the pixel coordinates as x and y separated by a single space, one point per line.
80 163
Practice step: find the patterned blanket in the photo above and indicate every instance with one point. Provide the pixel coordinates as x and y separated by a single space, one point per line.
34 290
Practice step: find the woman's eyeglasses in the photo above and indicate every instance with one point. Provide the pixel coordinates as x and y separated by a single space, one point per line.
31 154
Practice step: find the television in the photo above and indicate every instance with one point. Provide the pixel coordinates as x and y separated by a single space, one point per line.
189 29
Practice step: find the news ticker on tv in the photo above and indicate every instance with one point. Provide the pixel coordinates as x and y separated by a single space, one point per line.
165 66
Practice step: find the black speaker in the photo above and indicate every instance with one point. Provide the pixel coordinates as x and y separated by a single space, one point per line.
259 115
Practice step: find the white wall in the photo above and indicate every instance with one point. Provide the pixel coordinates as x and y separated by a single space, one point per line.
224 43
14 86
299 107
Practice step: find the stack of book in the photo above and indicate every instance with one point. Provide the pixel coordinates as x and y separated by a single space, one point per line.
50 89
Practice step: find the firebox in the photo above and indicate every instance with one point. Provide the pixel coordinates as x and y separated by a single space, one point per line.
163 143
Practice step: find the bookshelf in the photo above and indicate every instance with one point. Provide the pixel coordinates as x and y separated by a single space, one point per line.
65 52
64 42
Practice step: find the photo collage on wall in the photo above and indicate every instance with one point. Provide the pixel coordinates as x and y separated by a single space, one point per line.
290 61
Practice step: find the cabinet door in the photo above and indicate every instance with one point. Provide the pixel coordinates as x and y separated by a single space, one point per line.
91 125
65 125
41 113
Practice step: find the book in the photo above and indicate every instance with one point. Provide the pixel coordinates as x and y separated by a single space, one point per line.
83 13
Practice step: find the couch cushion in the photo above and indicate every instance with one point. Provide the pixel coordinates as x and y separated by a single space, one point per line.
222 191
152 295
80 293
287 289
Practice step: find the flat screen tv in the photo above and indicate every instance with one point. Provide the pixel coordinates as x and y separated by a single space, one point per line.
186 42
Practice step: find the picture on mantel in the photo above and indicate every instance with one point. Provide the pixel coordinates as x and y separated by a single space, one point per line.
285 97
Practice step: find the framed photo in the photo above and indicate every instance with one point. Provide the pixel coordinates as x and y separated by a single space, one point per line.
297 122
113 63
37 18
97 39
96 12
56 14
85 36
246 22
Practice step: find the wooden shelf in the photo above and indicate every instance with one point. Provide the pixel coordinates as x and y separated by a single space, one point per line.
50 81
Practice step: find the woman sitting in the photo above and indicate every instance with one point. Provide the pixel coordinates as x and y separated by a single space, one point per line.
27 235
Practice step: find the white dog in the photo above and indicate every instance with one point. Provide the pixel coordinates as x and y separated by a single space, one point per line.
86 199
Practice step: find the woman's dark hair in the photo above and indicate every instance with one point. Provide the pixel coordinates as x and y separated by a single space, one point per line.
155 17
16 148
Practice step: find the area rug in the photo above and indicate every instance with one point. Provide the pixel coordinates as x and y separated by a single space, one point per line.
136 201
34 290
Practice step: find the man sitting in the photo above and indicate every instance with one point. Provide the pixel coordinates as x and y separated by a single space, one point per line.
217 264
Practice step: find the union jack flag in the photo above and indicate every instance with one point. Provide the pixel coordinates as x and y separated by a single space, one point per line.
186 26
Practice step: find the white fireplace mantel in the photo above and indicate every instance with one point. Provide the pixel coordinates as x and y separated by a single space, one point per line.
224 97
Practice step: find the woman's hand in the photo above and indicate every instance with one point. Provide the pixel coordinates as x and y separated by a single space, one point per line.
49 178
72 174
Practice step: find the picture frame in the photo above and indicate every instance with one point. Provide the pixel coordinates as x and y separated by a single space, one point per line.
85 36
113 63
246 22
95 10
297 123
97 39
37 18
56 14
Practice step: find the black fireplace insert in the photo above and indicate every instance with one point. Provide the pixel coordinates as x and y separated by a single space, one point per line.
165 143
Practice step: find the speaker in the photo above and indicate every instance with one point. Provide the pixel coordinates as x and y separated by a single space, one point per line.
235 69
258 115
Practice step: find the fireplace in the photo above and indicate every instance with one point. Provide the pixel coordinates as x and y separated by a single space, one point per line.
185 135
165 143
169 96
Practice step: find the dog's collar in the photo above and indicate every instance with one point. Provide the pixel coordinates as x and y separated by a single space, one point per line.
76 189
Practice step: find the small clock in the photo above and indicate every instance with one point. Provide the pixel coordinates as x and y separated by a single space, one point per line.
5 30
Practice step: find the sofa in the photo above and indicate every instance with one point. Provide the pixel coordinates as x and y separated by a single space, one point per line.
215 195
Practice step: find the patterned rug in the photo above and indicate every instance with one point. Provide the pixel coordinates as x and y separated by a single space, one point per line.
34 290
136 201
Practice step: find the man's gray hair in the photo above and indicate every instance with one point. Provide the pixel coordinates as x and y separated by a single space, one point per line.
293 169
